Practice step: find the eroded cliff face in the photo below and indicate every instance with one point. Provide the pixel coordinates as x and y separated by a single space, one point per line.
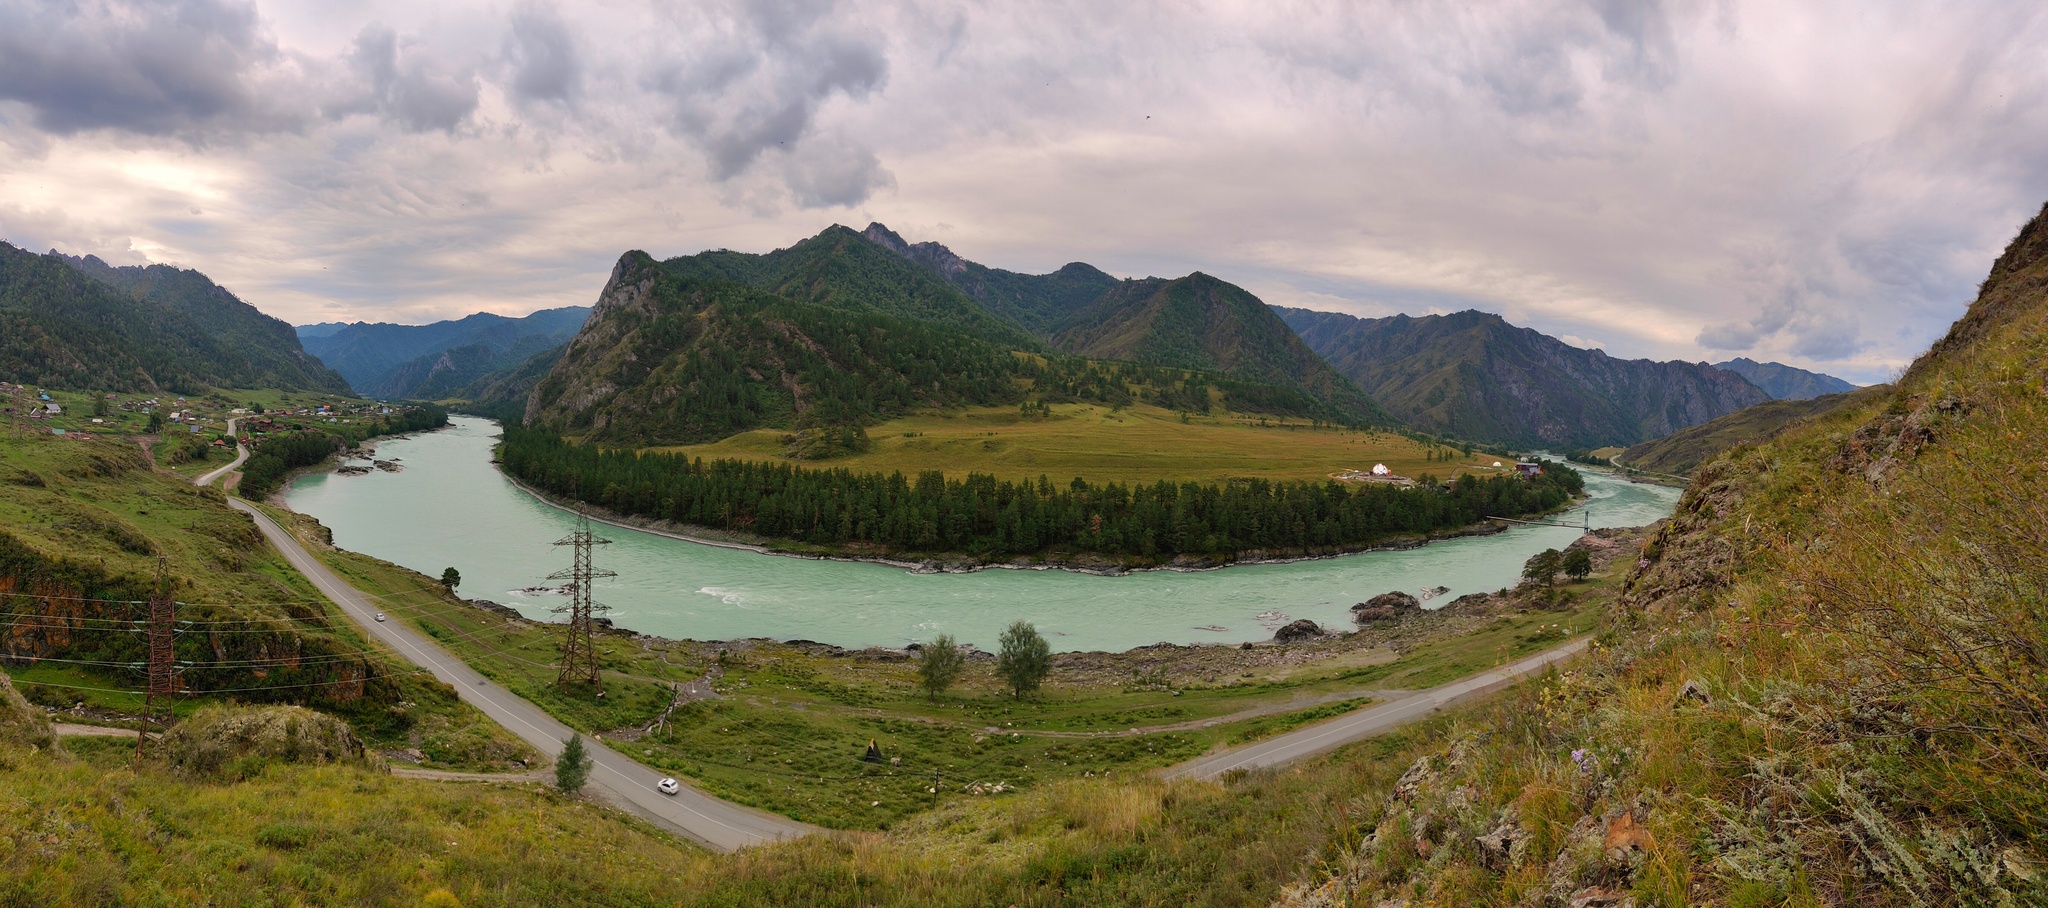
578 383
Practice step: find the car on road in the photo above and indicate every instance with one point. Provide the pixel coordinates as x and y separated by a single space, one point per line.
669 786
380 616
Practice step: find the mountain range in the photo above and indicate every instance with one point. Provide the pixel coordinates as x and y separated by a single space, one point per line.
436 360
81 323
1472 375
846 327
1783 382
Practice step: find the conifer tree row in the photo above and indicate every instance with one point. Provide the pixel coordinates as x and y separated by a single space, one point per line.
993 518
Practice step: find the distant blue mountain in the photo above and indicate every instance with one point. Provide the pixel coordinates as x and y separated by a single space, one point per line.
1783 382
396 361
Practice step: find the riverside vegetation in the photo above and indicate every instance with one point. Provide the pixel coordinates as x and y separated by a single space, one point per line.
992 519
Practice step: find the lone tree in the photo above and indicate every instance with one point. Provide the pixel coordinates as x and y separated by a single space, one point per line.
1543 566
572 768
451 578
1025 659
938 664
1577 563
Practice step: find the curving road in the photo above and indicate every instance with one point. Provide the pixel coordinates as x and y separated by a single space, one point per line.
718 824
241 454
1325 736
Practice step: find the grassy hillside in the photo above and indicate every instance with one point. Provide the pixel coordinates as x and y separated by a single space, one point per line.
1472 375
1828 688
80 323
1682 452
1199 322
91 825
1134 443
84 518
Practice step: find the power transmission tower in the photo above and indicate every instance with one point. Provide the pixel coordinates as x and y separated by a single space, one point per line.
163 679
579 651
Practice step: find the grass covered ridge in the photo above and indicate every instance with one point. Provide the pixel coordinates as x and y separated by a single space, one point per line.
1826 684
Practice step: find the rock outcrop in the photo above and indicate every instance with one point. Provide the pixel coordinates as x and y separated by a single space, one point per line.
1385 607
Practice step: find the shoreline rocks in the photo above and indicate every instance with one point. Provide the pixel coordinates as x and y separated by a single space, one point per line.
1385 607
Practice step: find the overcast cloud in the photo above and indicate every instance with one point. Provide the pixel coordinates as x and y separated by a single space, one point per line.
1821 183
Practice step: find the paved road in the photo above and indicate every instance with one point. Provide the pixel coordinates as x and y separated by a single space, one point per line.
1325 736
718 824
241 454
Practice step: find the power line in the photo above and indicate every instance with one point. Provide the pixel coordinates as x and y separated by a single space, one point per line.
227 690
579 651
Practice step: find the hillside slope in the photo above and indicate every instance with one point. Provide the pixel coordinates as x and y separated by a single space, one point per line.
1681 452
671 359
841 269
1038 303
79 323
1783 382
394 361
1200 322
1472 375
1824 687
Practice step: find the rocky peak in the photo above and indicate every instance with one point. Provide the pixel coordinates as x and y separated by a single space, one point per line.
929 254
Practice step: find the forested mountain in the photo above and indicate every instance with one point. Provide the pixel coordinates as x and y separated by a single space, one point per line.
1199 322
1196 322
1472 375
1783 382
1038 303
80 323
671 357
843 270
1682 452
502 394
394 361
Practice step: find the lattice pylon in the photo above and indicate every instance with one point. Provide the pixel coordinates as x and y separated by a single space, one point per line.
163 665
579 649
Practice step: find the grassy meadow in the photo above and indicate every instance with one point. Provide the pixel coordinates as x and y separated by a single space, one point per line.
1139 443
790 723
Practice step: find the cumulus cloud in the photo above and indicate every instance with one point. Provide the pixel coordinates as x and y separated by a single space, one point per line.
179 66
756 85
406 86
1819 183
547 65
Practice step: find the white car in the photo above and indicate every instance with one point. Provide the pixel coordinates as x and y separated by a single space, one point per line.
380 616
669 786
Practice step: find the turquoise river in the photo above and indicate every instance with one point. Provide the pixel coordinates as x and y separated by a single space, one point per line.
451 507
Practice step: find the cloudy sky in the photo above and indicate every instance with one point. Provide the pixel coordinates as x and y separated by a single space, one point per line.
1818 183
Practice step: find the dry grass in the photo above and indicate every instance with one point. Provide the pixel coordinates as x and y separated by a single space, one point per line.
1135 444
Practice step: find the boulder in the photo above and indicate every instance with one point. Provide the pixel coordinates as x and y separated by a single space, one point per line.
218 739
1298 631
1385 607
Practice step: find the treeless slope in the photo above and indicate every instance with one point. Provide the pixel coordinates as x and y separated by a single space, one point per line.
1683 451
